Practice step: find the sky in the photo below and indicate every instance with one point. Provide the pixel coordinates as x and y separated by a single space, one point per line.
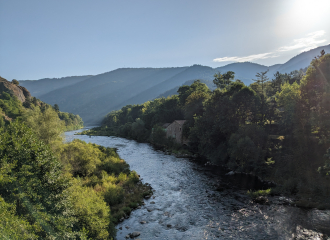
59 38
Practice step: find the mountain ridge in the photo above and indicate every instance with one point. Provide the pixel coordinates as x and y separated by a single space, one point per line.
92 97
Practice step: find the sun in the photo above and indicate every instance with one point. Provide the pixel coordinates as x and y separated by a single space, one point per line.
310 11
302 16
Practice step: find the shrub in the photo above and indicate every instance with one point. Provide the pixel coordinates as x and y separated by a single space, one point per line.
258 193
91 211
32 178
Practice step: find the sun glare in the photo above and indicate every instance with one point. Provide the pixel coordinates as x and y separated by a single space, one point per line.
298 16
310 11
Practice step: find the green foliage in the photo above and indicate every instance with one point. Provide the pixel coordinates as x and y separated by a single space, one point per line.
12 226
32 179
102 179
223 80
91 211
158 136
10 106
247 148
258 193
278 129
224 113
185 91
56 107
40 121
81 158
72 122
287 100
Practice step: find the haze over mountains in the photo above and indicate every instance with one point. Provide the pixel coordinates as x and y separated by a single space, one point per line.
92 97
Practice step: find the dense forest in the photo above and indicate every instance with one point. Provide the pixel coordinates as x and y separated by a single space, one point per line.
55 190
278 129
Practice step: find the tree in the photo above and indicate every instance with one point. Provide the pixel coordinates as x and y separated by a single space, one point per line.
56 107
223 80
185 90
287 100
46 124
32 178
14 81
261 80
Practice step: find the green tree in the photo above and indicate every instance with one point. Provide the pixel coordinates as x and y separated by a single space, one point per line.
46 124
32 179
91 211
223 80
12 226
261 81
185 91
56 107
287 100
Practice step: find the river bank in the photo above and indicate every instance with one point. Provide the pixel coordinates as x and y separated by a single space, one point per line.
187 203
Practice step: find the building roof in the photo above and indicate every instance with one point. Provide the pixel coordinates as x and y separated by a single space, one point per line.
166 125
181 122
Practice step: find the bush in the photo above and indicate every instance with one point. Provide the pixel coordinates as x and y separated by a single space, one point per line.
31 177
258 193
127 210
91 211
113 194
12 226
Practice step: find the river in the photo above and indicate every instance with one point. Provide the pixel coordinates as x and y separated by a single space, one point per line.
187 205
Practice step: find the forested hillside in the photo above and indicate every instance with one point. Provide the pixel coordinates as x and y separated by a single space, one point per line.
92 97
55 190
277 129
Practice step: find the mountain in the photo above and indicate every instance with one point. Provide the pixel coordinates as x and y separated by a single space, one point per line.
46 85
92 97
302 60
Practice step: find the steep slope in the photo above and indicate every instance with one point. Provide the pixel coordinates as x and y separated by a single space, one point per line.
46 85
192 73
92 98
14 90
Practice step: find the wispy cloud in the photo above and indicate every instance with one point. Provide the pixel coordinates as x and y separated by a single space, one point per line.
246 58
311 41
306 43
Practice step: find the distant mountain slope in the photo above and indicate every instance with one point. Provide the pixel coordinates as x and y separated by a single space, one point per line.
46 85
302 60
92 97
192 73
95 97
245 71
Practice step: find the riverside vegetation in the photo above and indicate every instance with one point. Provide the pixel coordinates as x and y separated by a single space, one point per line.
277 129
55 190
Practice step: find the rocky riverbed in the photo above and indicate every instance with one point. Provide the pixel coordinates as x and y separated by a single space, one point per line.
191 201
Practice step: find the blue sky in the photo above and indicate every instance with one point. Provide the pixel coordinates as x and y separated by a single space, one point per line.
57 38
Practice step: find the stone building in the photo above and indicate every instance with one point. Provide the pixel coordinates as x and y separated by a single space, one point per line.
174 130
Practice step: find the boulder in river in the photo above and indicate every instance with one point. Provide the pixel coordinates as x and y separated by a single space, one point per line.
261 200
230 173
147 197
134 234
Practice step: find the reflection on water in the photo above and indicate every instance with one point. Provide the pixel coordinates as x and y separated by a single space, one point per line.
187 203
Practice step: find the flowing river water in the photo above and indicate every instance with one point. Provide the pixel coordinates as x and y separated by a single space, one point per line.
187 203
